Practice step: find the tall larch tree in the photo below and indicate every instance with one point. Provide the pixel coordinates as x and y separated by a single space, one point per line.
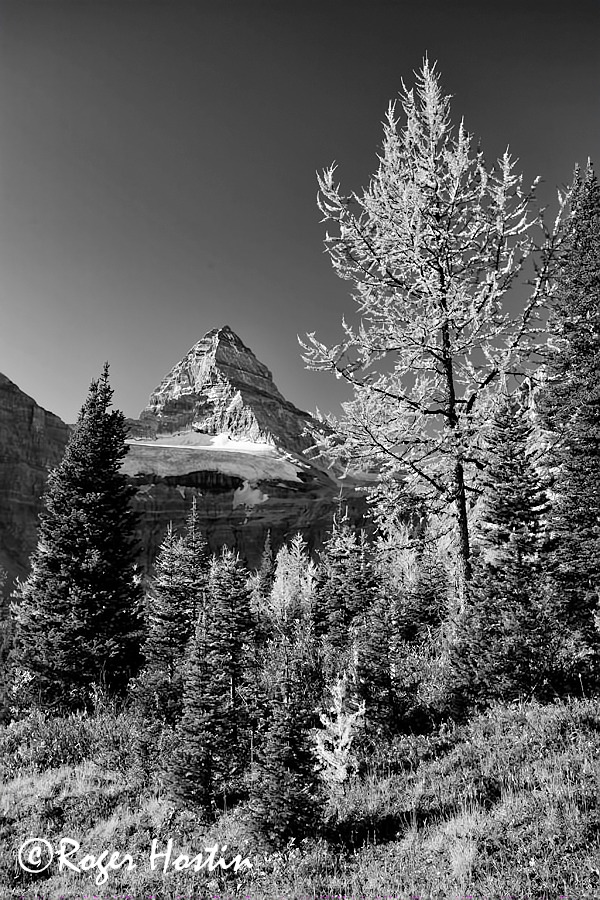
433 247
570 405
78 614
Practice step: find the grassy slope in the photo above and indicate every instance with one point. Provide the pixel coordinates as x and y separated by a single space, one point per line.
507 807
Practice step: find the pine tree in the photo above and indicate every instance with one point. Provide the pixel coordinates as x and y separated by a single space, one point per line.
289 685
78 614
265 574
213 737
570 405
232 633
371 665
176 594
261 585
196 562
422 598
416 582
285 794
347 584
189 772
507 637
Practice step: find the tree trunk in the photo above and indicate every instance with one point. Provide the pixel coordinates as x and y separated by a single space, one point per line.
463 562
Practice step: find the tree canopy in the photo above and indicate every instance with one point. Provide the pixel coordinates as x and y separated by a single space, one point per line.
434 247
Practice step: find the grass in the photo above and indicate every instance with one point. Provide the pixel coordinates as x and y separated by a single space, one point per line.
507 806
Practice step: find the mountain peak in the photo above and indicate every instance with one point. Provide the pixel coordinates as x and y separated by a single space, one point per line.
220 387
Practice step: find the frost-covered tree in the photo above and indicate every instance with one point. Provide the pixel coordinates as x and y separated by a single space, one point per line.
433 247
291 597
334 740
288 644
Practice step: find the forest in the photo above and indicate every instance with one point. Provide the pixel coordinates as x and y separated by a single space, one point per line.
408 711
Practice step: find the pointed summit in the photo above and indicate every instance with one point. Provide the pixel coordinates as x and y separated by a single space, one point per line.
220 387
220 356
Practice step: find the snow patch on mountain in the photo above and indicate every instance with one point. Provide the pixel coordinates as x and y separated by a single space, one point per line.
181 453
248 496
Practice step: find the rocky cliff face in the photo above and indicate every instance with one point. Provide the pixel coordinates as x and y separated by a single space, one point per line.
241 495
220 387
32 441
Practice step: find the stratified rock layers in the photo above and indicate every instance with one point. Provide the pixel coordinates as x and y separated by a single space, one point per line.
32 441
234 507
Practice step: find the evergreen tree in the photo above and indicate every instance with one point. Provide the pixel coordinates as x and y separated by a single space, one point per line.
422 598
570 406
78 614
285 794
417 584
265 574
261 585
176 594
213 746
371 665
347 584
288 691
189 772
506 638
232 632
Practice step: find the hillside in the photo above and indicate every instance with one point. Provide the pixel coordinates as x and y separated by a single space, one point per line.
506 806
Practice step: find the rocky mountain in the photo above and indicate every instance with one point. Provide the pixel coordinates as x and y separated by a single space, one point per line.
32 441
216 428
220 387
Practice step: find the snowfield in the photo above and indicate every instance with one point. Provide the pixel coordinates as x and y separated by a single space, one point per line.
179 454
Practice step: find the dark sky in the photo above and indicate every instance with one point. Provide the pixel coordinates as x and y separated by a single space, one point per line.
157 164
